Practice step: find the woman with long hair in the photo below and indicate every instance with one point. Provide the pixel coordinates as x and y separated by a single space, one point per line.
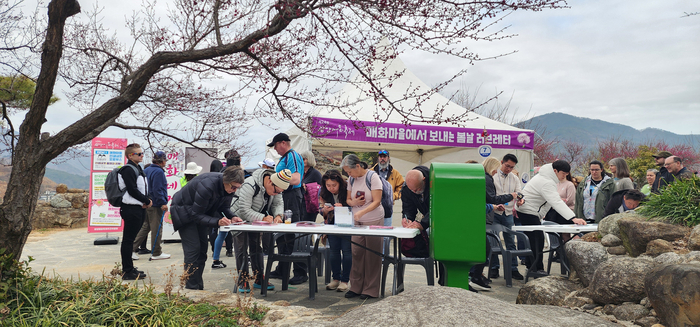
334 194
621 174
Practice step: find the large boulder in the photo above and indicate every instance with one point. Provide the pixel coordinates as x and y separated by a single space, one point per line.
550 290
610 240
658 246
584 258
691 257
636 234
620 279
59 201
448 306
630 311
609 225
674 292
668 258
694 239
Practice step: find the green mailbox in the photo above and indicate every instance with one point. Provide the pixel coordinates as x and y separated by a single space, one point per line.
457 219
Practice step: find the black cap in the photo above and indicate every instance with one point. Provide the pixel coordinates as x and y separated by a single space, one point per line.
383 152
279 137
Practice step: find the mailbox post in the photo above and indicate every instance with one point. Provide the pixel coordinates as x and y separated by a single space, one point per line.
457 219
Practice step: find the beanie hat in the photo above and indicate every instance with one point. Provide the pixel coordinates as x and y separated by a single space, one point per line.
282 179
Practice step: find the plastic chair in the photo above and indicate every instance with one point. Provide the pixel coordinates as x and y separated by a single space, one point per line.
556 250
427 263
509 254
303 251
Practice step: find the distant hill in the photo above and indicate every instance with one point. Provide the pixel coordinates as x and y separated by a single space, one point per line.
71 180
76 164
46 185
565 127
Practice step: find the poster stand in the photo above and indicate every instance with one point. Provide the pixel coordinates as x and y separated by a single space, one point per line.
106 240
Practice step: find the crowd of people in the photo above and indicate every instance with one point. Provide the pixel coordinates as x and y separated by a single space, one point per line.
294 187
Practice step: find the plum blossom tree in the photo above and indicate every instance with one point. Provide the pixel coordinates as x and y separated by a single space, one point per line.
163 78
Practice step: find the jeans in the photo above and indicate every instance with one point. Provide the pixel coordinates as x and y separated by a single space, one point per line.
506 221
340 245
218 244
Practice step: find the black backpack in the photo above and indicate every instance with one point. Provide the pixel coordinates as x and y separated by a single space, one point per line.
112 190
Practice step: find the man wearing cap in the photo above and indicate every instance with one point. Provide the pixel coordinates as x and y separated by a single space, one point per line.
386 170
259 198
293 200
197 207
158 192
663 177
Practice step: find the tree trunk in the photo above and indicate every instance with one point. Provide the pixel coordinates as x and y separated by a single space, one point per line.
31 156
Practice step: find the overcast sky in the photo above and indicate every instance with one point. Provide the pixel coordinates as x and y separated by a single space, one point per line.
634 63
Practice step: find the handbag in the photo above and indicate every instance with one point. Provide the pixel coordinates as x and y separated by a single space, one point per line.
311 197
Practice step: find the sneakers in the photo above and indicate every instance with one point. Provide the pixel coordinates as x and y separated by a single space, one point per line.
342 287
493 273
296 280
479 284
133 275
144 251
134 256
161 256
517 276
333 285
244 288
220 264
229 253
270 287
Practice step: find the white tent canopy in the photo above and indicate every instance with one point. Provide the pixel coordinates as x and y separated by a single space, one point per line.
406 91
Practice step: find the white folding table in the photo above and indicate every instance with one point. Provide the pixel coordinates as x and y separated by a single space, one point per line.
570 228
397 233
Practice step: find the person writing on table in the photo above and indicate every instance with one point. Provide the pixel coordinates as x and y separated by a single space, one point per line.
540 194
259 198
367 210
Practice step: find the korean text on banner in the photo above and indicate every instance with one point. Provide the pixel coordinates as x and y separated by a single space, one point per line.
107 154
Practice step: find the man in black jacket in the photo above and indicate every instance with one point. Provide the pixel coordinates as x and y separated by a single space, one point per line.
198 206
663 177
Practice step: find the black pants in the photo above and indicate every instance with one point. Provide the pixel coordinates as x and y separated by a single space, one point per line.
194 246
536 239
133 217
478 269
248 245
293 200
214 233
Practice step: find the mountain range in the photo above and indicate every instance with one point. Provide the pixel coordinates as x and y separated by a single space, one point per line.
564 127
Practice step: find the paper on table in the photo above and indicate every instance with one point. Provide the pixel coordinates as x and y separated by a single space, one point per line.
343 217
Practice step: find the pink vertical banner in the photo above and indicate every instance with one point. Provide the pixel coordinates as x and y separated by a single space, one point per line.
107 154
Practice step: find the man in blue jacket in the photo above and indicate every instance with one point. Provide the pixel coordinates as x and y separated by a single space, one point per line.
158 192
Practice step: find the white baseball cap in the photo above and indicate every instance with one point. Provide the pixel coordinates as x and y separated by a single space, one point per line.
267 162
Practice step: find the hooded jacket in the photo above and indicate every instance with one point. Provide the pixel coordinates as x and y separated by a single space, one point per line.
541 194
202 201
250 206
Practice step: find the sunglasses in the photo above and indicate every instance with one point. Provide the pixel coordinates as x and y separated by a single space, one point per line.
138 153
384 152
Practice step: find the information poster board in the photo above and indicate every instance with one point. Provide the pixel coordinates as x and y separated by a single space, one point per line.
174 168
107 154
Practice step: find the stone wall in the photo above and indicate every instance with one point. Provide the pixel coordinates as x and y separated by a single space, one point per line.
67 209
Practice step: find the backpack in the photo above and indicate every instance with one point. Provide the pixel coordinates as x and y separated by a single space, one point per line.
112 190
387 193
311 197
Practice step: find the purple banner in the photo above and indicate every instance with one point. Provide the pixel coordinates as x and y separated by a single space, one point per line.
343 129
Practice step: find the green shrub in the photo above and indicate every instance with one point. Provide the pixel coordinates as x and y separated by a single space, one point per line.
39 301
678 203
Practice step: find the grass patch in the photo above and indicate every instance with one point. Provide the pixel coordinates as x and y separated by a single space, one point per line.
678 203
35 300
